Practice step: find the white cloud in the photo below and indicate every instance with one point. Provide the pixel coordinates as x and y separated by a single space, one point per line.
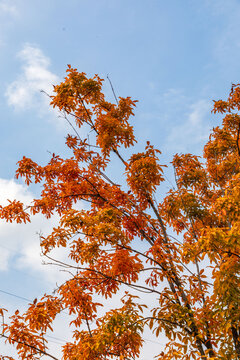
11 190
8 232
24 92
20 242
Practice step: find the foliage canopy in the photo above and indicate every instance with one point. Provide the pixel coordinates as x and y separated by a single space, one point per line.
191 266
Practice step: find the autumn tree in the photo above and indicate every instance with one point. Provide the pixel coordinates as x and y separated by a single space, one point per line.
184 251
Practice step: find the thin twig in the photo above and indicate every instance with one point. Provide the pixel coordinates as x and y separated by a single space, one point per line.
112 88
238 134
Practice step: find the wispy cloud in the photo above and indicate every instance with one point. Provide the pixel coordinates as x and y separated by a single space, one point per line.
183 120
8 15
194 128
226 41
6 7
24 92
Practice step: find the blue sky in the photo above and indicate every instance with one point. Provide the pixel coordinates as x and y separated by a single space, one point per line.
173 56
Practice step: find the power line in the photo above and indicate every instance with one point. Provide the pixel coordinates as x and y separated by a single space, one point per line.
56 338
17 296
25 299
155 342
